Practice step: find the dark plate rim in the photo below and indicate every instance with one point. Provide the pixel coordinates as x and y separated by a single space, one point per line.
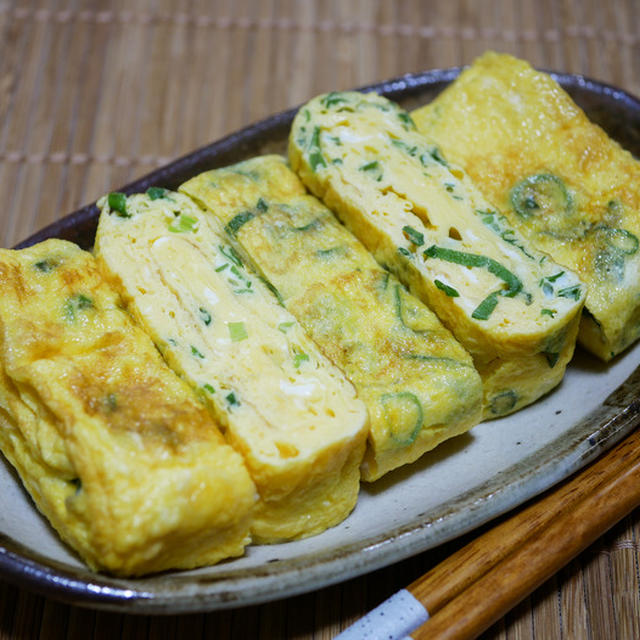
25 568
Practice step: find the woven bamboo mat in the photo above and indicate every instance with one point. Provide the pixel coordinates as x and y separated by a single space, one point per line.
93 94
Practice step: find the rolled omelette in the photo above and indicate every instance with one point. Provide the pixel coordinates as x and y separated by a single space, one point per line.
283 406
558 178
514 309
115 450
418 383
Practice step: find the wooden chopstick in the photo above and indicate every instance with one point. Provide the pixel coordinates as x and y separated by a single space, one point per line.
478 557
477 585
528 565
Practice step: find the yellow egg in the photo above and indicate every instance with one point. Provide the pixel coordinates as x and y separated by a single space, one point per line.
560 181
114 448
290 413
423 218
418 383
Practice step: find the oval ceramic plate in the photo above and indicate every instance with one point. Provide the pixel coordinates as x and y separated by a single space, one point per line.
461 485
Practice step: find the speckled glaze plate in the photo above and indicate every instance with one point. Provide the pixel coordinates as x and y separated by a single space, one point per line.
461 485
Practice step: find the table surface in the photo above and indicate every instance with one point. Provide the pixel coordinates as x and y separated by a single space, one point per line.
94 94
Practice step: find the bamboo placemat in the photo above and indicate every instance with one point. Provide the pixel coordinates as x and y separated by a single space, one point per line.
93 94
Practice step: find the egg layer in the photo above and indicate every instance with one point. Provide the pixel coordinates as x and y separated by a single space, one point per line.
417 382
425 220
290 413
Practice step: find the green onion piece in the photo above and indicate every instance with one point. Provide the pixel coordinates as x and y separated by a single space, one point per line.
542 192
570 292
406 120
232 400
373 169
315 155
46 266
332 99
514 284
404 416
369 166
196 353
237 221
419 357
503 402
548 312
283 326
156 193
112 402
205 315
273 290
404 252
330 252
314 224
436 154
457 257
78 302
237 331
231 254
450 291
221 267
413 236
552 358
118 203
411 151
486 307
299 358
261 205
208 387
622 240
410 316
184 224
84 302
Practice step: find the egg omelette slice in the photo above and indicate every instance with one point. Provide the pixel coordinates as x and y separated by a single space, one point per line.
560 180
417 382
113 447
513 308
290 413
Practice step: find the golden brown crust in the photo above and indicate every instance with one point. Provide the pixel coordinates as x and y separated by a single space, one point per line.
114 448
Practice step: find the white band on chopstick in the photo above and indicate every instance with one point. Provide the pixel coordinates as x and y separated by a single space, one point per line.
392 619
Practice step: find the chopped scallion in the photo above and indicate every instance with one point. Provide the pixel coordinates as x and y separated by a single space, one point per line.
195 352
238 221
118 203
413 236
486 307
205 316
184 224
450 291
570 292
237 331
156 193
299 358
